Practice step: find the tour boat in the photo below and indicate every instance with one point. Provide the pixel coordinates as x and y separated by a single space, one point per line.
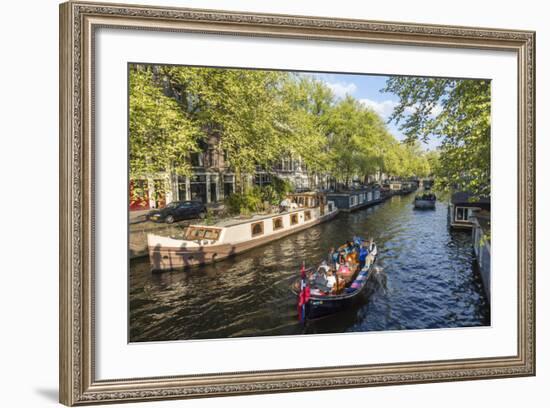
425 201
204 244
315 302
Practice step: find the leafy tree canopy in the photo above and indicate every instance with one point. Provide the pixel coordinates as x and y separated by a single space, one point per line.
258 118
458 113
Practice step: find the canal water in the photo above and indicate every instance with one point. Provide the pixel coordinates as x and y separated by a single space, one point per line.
432 282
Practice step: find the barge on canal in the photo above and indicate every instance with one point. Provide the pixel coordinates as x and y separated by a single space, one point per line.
402 187
352 200
204 244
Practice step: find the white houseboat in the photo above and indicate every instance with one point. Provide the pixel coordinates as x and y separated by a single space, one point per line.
204 244
402 187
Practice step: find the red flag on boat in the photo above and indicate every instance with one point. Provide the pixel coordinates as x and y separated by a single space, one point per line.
304 295
303 298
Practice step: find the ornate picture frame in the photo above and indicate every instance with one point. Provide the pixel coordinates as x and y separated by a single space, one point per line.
78 24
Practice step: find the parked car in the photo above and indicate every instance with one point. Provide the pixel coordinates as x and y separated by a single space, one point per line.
178 210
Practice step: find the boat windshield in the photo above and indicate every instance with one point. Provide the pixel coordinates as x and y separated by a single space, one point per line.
194 233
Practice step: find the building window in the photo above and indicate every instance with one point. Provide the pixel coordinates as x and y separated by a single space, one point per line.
277 223
197 159
198 188
228 182
307 215
462 214
261 179
257 228
293 219
285 164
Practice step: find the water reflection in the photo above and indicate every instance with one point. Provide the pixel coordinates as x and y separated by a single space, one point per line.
431 282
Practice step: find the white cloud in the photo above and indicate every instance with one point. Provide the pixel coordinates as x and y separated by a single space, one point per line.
341 89
383 108
436 110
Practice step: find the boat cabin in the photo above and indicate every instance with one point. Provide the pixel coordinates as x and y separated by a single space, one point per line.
307 199
395 186
402 187
199 232
462 207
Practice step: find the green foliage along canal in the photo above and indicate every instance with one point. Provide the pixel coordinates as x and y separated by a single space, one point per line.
431 282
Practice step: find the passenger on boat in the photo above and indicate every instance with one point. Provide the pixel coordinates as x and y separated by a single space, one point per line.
323 268
341 258
318 280
349 247
331 281
363 253
351 258
371 245
333 256
343 269
284 205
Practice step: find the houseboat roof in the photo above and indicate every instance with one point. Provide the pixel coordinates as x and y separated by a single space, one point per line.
238 220
306 193
353 191
466 199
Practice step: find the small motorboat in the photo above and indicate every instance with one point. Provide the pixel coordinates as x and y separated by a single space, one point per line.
425 201
318 298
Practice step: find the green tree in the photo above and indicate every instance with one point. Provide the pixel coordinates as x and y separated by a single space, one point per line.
161 134
258 118
457 111
244 107
307 103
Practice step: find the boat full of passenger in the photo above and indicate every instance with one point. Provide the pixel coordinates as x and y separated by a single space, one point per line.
338 281
204 244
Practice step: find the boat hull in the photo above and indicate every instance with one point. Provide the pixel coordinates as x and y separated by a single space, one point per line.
364 205
318 307
165 258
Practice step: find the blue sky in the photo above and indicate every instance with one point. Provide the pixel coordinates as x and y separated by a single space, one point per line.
367 89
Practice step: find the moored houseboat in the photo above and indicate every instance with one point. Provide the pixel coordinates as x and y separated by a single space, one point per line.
352 200
402 187
204 244
461 208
